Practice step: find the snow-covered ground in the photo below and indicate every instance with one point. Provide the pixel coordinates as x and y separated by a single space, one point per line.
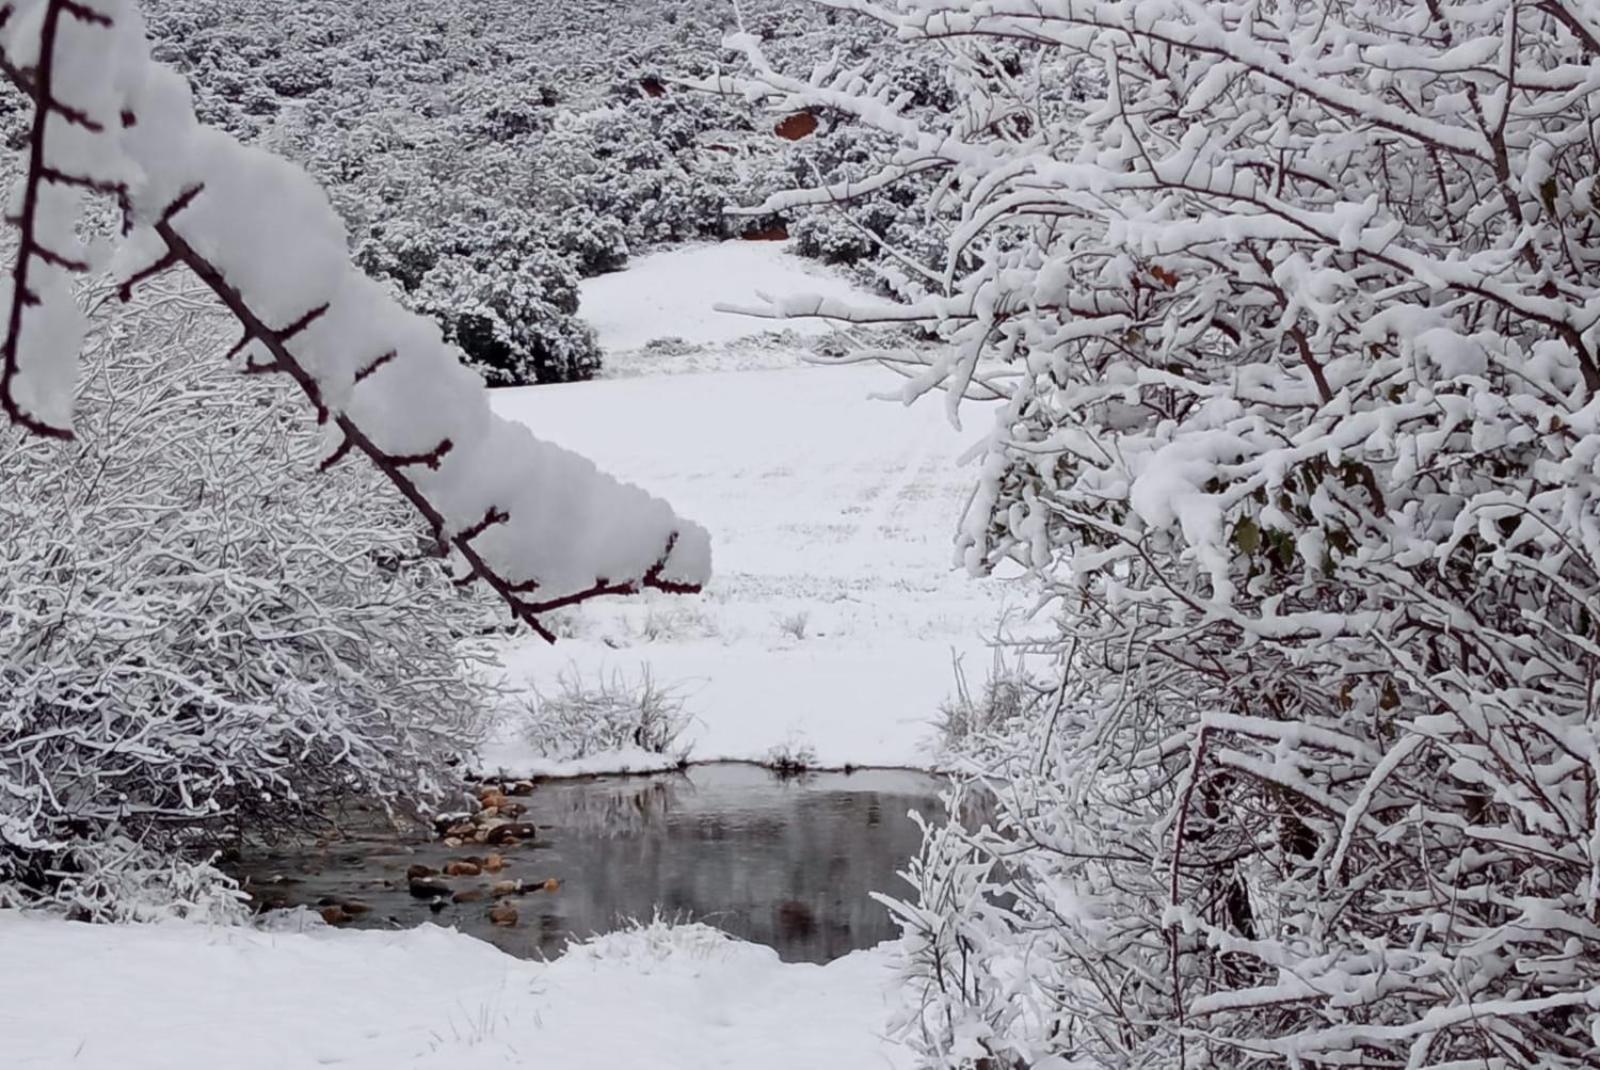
835 611
184 997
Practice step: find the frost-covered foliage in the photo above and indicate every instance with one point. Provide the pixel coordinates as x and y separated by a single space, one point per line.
583 716
439 122
1289 318
539 525
199 635
504 297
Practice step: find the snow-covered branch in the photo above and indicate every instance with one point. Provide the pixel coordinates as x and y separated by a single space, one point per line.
536 523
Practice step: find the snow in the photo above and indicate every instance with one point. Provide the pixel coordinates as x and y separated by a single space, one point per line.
833 515
243 999
673 294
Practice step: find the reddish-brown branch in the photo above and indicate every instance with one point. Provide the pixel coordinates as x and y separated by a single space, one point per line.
28 241
167 260
375 365
336 456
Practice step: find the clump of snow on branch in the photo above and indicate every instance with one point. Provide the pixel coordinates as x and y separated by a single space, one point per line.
1292 314
538 524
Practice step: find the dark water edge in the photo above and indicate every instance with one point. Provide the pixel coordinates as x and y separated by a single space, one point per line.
789 862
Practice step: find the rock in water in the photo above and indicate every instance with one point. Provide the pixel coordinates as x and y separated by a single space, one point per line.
429 888
503 914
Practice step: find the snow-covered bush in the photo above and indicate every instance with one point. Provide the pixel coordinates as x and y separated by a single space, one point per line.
198 634
497 287
1290 326
609 712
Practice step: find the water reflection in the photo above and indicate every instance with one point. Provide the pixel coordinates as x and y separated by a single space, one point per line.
787 863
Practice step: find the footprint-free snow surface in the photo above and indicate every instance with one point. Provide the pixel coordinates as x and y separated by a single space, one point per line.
185 997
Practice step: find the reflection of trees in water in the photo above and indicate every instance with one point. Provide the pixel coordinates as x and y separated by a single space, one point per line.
611 808
789 868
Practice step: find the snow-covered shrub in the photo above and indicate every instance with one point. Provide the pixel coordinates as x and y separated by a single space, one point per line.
609 712
199 635
1008 693
1290 324
513 316
498 289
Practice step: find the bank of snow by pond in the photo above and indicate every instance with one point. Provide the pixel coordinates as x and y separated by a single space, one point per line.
186 997
835 609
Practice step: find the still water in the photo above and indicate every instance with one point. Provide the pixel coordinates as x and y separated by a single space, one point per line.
785 862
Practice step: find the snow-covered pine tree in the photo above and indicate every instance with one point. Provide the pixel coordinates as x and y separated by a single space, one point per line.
1288 316
537 524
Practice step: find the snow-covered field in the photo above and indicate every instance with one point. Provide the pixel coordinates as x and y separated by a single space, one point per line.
236 999
835 611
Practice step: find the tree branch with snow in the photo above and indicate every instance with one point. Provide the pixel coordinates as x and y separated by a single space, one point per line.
536 523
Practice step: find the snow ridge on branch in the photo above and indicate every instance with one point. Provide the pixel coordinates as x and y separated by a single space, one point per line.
538 524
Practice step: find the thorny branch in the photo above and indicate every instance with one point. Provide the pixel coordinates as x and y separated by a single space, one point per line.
37 85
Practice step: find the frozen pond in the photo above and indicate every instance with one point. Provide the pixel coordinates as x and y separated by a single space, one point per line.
785 862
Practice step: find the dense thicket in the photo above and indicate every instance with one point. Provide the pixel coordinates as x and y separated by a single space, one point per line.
1290 316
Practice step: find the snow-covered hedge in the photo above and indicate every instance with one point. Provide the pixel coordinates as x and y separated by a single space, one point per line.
1290 315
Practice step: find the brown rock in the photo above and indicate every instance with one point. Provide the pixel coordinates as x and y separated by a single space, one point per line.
504 914
335 915
462 869
510 809
510 832
468 895
461 829
353 907
551 885
428 888
522 787
452 841
417 872
491 797
493 864
503 888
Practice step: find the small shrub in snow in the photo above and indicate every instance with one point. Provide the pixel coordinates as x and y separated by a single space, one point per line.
582 716
791 758
793 624
1009 692
662 623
